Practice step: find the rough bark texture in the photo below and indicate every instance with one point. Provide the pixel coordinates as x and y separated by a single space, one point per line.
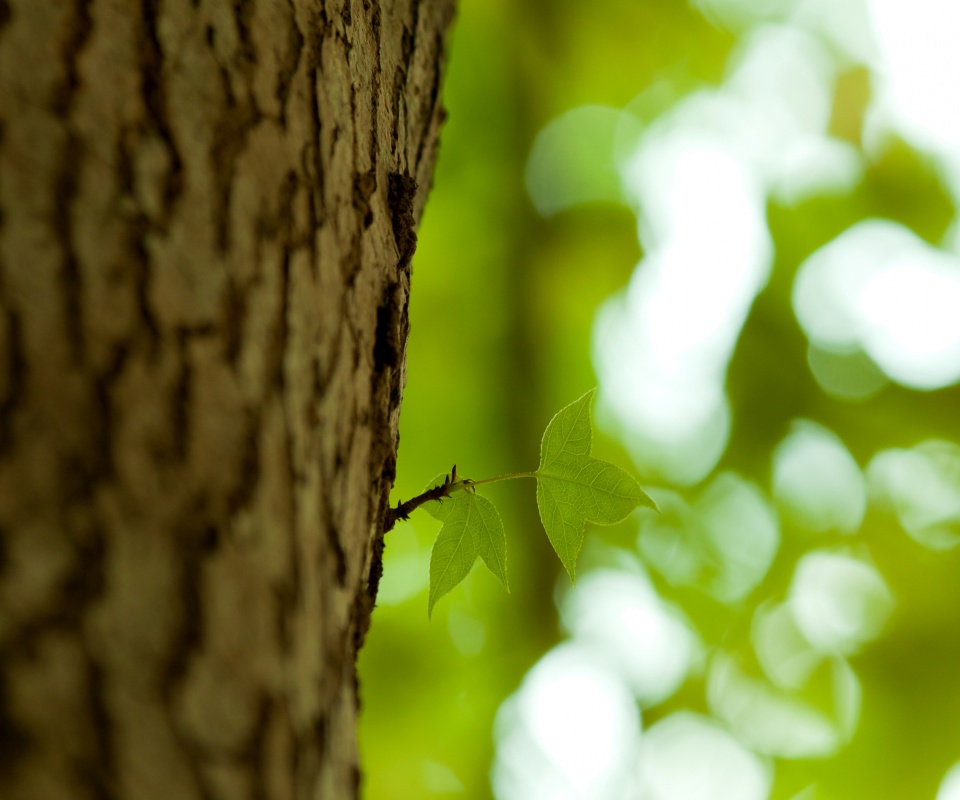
206 222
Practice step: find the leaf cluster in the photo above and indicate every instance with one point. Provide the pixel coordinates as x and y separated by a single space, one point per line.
573 488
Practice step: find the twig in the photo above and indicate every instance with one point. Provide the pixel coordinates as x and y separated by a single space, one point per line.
403 510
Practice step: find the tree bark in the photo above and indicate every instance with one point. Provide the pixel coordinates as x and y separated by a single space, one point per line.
207 214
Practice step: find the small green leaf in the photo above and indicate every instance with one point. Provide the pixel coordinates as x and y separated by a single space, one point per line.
573 488
471 527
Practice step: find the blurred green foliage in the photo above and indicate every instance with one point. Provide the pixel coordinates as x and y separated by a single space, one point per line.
502 310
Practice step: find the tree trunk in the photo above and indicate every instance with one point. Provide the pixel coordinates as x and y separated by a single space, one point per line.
207 214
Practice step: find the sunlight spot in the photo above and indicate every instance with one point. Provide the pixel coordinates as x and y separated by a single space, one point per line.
845 24
847 374
699 179
830 281
817 167
689 181
838 601
674 422
879 287
922 486
688 757
816 481
619 615
777 723
781 87
918 44
572 161
785 656
738 14
950 787
662 347
724 543
909 313
570 731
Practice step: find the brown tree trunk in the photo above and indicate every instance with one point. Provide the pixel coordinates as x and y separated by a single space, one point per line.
206 223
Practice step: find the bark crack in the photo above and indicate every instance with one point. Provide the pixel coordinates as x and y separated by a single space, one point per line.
289 65
155 101
5 15
70 278
15 381
180 399
233 130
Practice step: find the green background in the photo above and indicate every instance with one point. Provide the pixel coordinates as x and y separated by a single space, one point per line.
502 311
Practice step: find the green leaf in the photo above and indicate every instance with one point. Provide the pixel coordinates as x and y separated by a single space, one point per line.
573 488
471 527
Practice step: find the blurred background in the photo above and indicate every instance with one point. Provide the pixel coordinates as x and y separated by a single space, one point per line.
739 219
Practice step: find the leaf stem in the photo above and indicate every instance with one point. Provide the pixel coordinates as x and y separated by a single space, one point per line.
509 477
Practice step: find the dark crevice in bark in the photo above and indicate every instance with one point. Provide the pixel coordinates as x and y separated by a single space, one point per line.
388 347
3 213
123 160
316 31
234 315
329 368
193 532
364 185
232 131
249 467
105 421
407 45
101 770
282 328
334 540
65 190
229 141
434 104
136 247
401 197
65 607
289 63
5 15
281 227
72 48
155 100
366 600
313 166
148 328
388 354
349 268
87 581
294 510
243 11
15 743
255 752
180 399
409 42
15 381
291 591
399 81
